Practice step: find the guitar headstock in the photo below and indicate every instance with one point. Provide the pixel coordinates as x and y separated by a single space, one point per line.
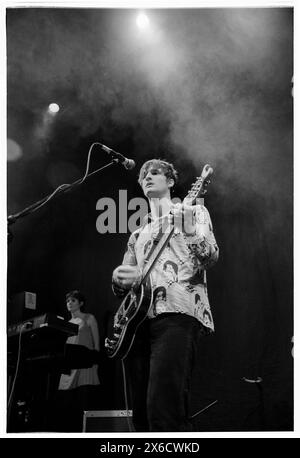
207 171
199 188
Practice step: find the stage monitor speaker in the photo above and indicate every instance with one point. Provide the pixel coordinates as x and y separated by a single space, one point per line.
107 421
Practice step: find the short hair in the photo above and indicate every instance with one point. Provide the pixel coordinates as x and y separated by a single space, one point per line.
171 263
160 289
76 294
168 169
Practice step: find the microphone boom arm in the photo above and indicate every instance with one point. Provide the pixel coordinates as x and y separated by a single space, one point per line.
64 188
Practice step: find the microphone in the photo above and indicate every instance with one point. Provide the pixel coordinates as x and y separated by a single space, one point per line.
129 164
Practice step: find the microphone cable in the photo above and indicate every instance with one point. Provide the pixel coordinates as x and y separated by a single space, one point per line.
24 325
62 187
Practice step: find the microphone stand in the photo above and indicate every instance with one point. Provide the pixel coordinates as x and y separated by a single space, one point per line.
32 208
35 206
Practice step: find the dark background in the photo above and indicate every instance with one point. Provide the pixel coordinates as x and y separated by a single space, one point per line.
196 86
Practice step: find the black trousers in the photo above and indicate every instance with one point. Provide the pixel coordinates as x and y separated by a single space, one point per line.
159 371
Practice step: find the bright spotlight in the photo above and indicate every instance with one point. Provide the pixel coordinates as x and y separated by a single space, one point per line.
14 150
142 21
53 108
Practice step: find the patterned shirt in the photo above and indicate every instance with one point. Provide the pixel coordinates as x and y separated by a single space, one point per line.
179 275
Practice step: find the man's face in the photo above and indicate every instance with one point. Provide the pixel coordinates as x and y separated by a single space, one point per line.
155 183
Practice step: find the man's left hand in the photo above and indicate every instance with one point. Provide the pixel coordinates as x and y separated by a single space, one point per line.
184 218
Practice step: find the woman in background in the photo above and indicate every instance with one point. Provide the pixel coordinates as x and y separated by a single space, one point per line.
77 387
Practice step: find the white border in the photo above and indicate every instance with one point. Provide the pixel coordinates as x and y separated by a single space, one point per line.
140 5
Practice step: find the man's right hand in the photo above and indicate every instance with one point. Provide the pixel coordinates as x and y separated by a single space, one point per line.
125 276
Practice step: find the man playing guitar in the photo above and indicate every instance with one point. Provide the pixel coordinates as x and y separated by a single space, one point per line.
160 361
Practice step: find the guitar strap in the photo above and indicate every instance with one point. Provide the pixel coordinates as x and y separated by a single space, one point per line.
156 239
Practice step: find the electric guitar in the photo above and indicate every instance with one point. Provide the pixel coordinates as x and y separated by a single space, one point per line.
137 302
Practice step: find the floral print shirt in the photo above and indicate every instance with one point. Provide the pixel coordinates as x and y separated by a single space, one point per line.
179 275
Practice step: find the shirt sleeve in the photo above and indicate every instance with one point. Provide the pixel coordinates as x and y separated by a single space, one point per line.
128 259
130 256
203 243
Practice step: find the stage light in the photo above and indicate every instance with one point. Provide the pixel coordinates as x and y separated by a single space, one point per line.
142 21
14 150
53 108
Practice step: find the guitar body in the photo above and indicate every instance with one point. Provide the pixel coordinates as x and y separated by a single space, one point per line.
131 313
